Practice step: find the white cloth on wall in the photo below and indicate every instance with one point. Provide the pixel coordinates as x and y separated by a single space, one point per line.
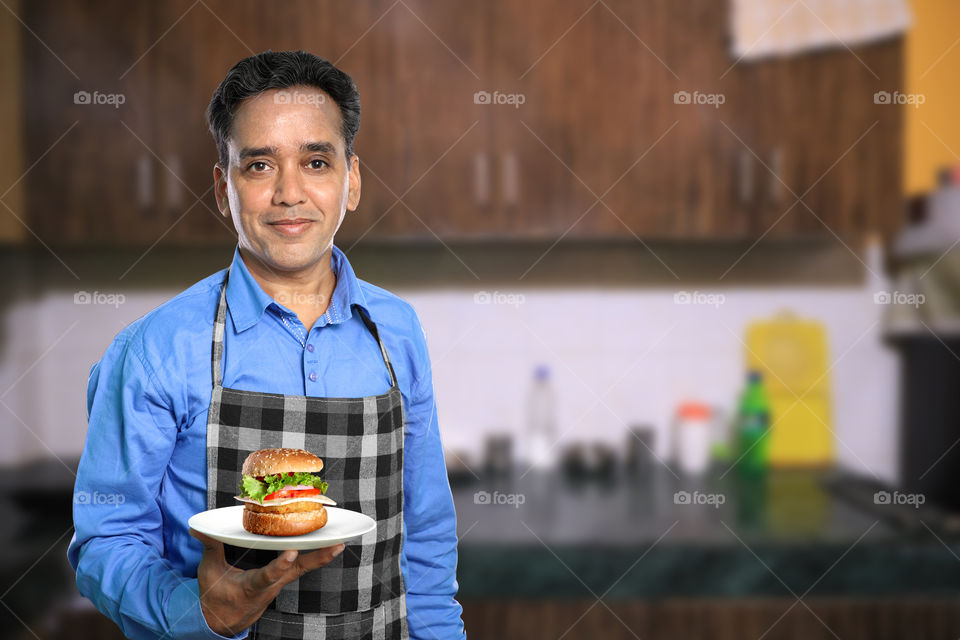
762 28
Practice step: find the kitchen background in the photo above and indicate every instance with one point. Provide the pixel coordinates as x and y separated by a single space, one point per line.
605 214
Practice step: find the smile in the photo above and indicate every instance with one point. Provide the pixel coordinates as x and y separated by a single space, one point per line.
291 227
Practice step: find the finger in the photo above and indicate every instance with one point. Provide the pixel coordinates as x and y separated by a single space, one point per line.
210 545
316 559
277 573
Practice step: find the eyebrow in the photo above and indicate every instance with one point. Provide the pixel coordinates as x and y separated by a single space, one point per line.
316 147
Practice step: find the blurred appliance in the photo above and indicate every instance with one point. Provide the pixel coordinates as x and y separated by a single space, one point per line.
791 353
922 323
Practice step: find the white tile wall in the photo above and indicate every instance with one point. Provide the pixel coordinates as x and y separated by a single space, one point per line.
623 357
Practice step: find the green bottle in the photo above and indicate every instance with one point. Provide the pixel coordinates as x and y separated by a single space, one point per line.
754 425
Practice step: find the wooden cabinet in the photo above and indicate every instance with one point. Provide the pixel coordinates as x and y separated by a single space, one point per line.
90 178
534 120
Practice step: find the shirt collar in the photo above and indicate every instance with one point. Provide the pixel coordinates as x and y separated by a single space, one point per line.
247 300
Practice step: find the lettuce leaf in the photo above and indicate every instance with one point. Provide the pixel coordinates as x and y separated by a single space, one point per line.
257 489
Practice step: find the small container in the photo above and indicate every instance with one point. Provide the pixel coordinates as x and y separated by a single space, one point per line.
639 457
693 434
498 457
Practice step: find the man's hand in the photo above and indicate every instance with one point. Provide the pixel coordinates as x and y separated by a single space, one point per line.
232 599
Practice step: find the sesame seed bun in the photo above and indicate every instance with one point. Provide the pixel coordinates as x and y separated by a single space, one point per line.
267 462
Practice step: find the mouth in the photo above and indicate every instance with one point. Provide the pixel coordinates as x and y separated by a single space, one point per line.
292 227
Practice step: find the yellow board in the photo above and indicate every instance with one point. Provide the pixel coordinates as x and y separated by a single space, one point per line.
791 353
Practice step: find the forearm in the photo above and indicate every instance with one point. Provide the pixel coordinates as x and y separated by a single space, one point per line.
131 584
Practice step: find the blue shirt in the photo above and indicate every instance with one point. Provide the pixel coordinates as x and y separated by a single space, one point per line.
143 469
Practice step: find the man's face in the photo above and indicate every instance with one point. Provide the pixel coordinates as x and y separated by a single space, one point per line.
289 182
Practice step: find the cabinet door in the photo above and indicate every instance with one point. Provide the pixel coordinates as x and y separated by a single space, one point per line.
424 144
603 148
564 131
90 180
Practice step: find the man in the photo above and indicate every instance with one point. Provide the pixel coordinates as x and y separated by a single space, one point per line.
285 348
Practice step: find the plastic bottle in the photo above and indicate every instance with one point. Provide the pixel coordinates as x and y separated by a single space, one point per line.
541 420
754 425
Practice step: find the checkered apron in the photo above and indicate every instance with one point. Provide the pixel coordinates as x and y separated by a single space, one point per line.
360 594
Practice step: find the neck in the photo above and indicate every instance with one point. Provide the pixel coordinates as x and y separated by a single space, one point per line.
307 293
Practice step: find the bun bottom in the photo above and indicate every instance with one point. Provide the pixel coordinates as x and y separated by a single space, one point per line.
284 524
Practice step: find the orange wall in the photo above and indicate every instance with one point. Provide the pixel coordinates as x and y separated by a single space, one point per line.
933 70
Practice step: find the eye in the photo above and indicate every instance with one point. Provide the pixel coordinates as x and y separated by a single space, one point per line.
254 165
317 163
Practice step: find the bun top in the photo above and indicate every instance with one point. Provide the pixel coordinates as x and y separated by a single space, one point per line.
267 462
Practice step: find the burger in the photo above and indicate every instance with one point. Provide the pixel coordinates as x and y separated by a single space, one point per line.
282 494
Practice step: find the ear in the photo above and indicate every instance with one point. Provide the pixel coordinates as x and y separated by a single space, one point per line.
353 196
220 190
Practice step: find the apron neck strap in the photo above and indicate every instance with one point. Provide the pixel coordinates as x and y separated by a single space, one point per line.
220 324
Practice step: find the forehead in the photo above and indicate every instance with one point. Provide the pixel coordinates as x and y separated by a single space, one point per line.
281 117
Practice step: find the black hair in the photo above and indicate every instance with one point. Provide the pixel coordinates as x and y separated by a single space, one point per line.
280 70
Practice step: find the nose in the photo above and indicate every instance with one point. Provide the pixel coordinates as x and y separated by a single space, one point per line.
289 189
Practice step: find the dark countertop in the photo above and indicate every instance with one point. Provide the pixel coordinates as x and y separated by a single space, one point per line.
787 532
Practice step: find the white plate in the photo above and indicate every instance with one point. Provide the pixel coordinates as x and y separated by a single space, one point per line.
226 525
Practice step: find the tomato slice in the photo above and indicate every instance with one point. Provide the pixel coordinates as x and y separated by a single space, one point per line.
283 494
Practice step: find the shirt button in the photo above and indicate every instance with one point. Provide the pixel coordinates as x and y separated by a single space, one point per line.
313 376
310 347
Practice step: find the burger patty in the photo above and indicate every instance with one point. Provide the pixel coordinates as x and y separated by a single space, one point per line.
292 507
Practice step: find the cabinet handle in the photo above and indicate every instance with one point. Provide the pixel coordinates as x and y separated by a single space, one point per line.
776 186
481 178
511 178
174 187
744 178
144 183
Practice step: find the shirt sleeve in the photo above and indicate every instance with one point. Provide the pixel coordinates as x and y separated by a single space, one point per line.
117 549
430 521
